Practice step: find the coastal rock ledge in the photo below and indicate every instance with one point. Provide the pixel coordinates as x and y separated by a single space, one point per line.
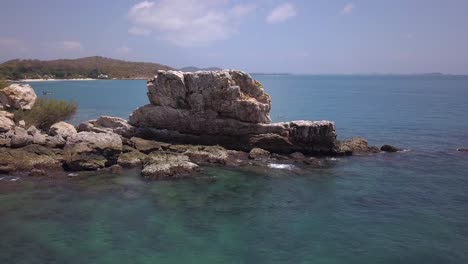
226 108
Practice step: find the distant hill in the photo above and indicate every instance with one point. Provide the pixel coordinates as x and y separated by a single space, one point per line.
89 67
194 69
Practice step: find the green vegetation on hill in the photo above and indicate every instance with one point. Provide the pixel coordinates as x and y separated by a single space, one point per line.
89 67
47 112
3 84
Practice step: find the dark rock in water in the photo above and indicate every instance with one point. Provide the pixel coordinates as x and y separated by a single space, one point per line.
226 108
389 148
169 166
356 146
463 149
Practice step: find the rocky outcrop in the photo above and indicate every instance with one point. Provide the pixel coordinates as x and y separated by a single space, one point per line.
17 96
28 158
91 151
259 154
62 129
356 146
227 108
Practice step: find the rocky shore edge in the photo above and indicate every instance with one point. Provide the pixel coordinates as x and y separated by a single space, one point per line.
193 119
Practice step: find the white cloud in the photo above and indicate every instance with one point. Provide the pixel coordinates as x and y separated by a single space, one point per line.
188 22
281 13
347 9
69 45
139 31
123 50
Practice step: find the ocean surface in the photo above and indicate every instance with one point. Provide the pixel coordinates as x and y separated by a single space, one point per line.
406 207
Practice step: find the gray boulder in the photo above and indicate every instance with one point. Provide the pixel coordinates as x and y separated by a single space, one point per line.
92 151
62 129
17 96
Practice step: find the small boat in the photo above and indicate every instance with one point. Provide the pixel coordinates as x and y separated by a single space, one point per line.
46 92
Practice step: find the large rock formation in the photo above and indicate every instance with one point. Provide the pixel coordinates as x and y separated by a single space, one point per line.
228 108
17 96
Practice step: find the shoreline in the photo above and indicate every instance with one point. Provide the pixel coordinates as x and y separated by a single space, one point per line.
75 79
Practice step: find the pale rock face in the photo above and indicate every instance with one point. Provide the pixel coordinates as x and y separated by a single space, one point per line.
105 124
227 108
62 129
18 96
91 151
6 122
230 94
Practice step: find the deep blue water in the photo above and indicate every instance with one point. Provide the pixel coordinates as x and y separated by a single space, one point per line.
407 207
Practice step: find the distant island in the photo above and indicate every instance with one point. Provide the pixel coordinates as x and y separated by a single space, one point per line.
83 68
194 69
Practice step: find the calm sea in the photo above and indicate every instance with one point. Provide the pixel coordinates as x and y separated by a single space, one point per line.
407 207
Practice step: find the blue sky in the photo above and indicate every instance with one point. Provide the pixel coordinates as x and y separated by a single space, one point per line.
313 36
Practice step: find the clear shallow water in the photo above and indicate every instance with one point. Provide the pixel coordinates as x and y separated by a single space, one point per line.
408 207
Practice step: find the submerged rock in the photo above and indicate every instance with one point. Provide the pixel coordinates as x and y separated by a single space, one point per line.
17 96
169 166
92 151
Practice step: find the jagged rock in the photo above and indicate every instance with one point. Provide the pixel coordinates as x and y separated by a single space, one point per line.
225 108
56 141
22 123
147 146
169 166
356 146
106 124
6 121
18 96
92 151
389 148
62 129
20 138
259 154
231 94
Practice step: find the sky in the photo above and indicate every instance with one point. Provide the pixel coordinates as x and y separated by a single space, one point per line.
296 36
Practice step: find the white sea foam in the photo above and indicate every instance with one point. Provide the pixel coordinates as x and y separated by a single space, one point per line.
281 166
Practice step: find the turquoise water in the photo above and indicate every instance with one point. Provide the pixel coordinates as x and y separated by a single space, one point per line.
407 207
